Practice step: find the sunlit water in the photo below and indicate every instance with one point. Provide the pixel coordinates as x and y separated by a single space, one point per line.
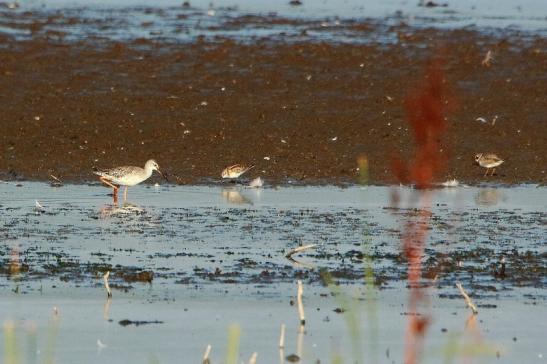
218 258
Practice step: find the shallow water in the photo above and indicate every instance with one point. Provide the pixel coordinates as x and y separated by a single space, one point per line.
218 257
527 14
246 20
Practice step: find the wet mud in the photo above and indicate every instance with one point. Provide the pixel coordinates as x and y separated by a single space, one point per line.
302 101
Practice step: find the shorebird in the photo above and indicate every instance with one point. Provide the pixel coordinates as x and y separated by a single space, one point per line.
127 176
488 160
235 171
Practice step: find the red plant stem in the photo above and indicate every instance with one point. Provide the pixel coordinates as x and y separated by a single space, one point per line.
424 108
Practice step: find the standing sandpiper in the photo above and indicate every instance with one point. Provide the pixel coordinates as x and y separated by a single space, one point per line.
127 176
488 161
235 171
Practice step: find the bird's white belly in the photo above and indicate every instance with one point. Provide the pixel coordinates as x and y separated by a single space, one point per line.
491 164
128 180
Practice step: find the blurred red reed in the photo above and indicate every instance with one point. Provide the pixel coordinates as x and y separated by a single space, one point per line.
425 109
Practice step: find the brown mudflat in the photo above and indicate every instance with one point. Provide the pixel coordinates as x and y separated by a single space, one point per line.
300 111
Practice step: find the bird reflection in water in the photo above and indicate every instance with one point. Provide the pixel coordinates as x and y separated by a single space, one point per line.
233 196
488 197
124 209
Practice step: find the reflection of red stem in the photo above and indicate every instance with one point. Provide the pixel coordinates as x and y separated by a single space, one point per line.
425 108
414 238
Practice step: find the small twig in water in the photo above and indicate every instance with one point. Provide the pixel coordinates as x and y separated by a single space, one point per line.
300 304
206 355
106 285
106 309
282 337
300 341
38 206
282 345
501 272
467 299
253 358
299 249
57 180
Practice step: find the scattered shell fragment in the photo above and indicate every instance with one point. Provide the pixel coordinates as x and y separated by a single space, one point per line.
256 183
451 183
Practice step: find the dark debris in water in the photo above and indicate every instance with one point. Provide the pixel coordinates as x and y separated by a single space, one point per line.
293 358
138 323
143 276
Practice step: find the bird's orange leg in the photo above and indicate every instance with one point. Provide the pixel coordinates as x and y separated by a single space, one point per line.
106 182
486 173
493 170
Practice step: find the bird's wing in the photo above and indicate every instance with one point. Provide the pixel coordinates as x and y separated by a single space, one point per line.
116 172
493 157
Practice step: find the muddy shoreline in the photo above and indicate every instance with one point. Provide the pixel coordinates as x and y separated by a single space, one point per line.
302 111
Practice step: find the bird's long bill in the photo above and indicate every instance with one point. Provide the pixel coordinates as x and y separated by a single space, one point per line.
163 175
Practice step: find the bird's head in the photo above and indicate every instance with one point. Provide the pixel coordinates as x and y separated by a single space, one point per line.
154 166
